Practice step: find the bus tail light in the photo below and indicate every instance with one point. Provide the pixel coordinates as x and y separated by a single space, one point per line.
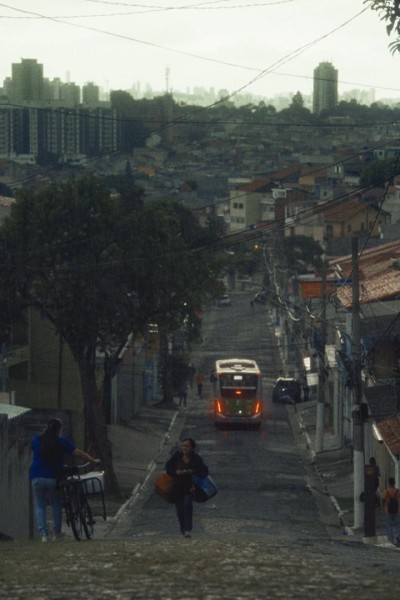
257 407
219 407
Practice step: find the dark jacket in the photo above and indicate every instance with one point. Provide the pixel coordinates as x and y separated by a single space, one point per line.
183 483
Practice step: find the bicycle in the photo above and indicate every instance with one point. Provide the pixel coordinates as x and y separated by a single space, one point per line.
75 489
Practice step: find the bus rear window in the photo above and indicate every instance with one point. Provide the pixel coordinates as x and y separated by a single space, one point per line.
238 381
238 393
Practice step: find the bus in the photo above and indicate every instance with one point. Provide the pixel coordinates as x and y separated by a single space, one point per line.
237 393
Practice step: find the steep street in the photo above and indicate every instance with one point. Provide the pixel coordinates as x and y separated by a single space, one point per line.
269 532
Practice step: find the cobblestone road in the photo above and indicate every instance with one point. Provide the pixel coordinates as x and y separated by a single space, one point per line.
177 568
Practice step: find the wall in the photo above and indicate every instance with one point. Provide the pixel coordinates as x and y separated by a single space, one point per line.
17 427
15 456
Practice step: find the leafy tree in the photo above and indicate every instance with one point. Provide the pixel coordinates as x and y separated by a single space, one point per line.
179 263
380 172
6 190
297 100
132 129
61 252
390 12
302 252
297 112
98 269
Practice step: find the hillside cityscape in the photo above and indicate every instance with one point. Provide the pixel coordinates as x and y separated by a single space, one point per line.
182 207
46 121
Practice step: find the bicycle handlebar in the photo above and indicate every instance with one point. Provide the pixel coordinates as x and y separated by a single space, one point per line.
77 470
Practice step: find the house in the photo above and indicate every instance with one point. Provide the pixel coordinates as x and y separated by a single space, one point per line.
245 204
350 216
379 307
253 201
40 372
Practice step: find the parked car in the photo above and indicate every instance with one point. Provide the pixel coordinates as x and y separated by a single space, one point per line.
224 301
260 298
286 389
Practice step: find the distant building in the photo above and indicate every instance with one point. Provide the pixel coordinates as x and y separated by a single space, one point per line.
325 93
90 94
27 83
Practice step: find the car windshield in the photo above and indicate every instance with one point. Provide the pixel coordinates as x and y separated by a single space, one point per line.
288 385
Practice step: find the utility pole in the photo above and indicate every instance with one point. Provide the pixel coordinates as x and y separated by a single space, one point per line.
358 425
319 425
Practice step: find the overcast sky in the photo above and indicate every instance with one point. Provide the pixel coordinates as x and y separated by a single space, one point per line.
265 47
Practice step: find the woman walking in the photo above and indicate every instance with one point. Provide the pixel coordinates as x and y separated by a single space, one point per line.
181 466
47 467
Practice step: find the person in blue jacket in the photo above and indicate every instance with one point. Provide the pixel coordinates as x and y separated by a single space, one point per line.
181 466
49 449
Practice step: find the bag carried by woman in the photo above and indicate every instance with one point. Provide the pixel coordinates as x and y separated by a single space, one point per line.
164 486
204 488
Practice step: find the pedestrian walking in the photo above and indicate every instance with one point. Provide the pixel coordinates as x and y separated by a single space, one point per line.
49 449
199 383
372 462
182 466
306 389
390 499
182 394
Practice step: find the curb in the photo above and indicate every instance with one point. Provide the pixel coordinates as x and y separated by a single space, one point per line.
113 521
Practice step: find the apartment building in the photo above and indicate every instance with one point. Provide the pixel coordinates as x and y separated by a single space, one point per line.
325 91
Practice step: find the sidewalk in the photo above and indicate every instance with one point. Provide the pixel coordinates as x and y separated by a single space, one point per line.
136 447
334 467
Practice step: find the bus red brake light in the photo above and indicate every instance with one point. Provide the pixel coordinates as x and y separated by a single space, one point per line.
238 392
219 407
257 407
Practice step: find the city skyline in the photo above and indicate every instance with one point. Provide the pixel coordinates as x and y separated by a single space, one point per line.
180 46
28 84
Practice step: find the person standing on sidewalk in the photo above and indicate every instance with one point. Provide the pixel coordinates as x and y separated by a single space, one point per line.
391 505
199 383
181 466
49 448
182 394
372 462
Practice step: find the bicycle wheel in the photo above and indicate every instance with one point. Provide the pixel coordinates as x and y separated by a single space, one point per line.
87 520
74 512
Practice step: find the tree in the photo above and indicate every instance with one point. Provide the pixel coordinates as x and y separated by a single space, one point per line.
297 112
380 172
302 252
390 12
133 133
99 269
179 262
61 253
297 100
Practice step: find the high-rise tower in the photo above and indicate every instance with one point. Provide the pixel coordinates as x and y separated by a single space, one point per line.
325 95
27 80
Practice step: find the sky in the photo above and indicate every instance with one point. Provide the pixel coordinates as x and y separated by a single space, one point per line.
262 47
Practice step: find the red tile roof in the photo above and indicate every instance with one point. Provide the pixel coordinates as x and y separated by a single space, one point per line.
390 431
379 274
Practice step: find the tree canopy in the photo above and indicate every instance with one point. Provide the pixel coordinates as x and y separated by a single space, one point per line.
302 252
389 11
100 268
380 172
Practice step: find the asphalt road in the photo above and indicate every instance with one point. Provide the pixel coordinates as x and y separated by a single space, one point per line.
264 488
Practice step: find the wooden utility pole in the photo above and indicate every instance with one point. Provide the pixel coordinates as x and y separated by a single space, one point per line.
358 425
